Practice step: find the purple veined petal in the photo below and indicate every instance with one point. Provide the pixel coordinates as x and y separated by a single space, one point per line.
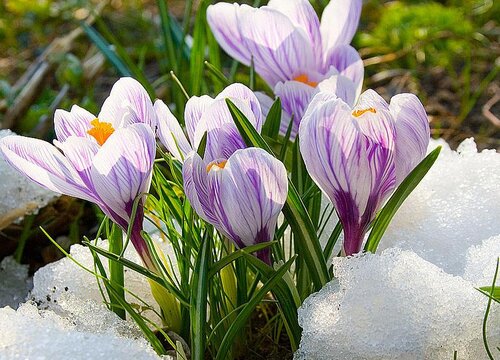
412 133
193 112
336 157
319 99
170 132
302 14
194 174
223 138
80 152
253 190
341 86
45 165
371 99
280 50
348 63
223 19
127 93
295 97
123 166
72 123
339 22
240 91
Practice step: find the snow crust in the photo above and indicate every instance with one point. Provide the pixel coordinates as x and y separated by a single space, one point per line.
417 298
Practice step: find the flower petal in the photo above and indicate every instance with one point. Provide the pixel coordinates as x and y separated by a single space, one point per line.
302 14
341 86
170 132
412 133
45 165
72 123
347 62
295 97
223 19
280 50
80 152
223 138
240 91
339 22
128 96
122 168
253 190
193 112
371 99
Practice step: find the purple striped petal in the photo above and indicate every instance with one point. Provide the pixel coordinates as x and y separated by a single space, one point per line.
45 165
72 123
295 97
240 91
80 152
339 22
253 190
346 60
223 19
412 133
280 50
351 160
122 168
302 15
193 112
223 138
371 99
341 86
170 132
127 103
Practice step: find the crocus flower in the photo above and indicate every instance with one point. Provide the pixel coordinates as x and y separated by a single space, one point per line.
206 114
357 156
106 159
290 48
241 196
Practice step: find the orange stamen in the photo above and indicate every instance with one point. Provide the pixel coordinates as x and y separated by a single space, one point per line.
100 131
220 165
303 78
358 113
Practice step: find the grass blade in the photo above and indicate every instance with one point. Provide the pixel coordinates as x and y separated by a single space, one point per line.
404 189
272 124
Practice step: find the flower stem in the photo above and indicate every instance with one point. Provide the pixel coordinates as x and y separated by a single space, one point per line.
116 273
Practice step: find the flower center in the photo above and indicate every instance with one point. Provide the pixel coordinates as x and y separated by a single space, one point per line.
100 131
358 113
216 164
303 78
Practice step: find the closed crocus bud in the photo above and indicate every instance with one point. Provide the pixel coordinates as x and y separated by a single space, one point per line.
358 155
241 196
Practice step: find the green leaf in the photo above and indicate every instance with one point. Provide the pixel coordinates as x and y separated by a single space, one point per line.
272 124
240 321
199 48
105 48
198 310
404 189
294 210
202 146
139 269
116 274
168 41
217 74
332 240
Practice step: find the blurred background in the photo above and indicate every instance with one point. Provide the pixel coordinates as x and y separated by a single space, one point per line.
57 53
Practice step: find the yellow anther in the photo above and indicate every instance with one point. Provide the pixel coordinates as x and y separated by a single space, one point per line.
303 78
358 113
220 165
100 131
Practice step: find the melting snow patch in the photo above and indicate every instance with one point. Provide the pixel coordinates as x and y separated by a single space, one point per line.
14 282
418 298
394 306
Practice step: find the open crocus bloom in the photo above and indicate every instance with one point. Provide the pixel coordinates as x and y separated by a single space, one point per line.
241 196
357 156
290 49
206 114
107 160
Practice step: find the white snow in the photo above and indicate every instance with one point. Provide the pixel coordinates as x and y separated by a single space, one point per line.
14 282
417 299
19 195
